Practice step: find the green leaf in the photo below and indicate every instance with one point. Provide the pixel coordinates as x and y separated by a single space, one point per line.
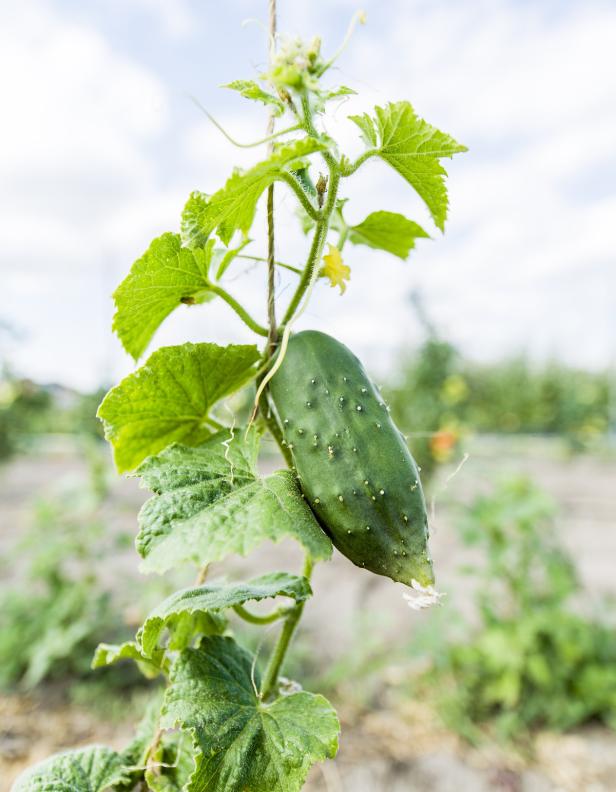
211 502
134 753
190 225
225 258
413 147
366 125
240 742
233 207
107 654
207 600
183 624
252 90
302 174
165 277
387 231
173 763
91 769
168 399
336 93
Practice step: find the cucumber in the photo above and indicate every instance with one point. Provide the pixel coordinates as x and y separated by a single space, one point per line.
351 461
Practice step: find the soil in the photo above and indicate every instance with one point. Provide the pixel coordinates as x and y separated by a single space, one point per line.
398 749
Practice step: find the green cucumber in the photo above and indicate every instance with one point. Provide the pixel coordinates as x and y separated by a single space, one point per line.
352 462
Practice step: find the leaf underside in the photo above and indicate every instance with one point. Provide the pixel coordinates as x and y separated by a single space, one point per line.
388 231
208 599
233 207
211 502
108 654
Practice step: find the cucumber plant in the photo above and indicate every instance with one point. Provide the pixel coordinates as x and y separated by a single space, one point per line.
223 722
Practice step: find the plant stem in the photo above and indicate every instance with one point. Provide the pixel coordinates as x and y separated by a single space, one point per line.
253 618
202 575
316 248
301 195
214 423
272 332
148 761
239 310
323 219
310 128
353 166
270 677
272 336
344 233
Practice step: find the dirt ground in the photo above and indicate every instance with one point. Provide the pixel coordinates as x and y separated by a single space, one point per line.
399 744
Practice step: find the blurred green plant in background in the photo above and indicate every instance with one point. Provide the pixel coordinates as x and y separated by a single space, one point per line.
439 398
22 404
427 402
29 410
55 602
531 658
534 662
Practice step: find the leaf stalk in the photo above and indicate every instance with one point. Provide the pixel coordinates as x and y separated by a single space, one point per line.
239 309
253 618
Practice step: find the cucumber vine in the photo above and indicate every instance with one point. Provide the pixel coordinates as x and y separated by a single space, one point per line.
221 723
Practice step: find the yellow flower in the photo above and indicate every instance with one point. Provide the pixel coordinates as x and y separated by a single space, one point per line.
454 389
335 269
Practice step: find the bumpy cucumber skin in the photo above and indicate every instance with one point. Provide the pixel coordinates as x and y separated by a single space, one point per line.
352 462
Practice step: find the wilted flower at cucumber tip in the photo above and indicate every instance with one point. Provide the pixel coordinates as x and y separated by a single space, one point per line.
421 597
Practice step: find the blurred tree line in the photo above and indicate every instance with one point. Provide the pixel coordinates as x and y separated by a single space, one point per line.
29 409
438 397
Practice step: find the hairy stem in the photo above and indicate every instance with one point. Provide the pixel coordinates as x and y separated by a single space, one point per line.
323 220
303 198
239 310
272 671
350 168
272 337
318 240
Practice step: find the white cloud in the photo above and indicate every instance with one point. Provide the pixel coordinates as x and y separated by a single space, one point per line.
529 88
73 161
86 181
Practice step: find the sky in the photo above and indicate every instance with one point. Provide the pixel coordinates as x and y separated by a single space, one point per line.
100 145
